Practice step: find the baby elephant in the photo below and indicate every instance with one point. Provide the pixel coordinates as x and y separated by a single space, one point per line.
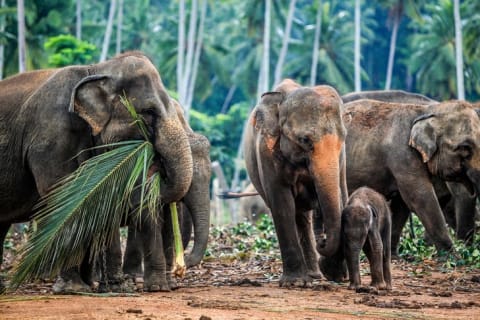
366 223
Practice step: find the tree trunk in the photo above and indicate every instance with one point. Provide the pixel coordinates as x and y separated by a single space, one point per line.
228 98
458 50
286 40
391 54
192 30
118 48
181 48
316 44
108 31
2 47
358 84
196 60
78 30
263 79
21 36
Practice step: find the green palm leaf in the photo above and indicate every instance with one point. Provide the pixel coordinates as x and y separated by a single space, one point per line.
86 208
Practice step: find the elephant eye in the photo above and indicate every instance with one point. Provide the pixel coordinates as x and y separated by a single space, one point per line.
464 150
148 112
305 142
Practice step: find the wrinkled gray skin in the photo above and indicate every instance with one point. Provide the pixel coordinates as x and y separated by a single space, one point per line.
250 208
195 204
457 203
366 223
396 149
294 155
47 117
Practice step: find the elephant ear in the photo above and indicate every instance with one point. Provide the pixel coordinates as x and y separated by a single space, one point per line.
423 137
88 100
266 114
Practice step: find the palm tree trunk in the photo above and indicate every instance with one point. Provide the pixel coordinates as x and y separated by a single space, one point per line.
228 98
192 30
286 40
196 59
391 54
21 36
2 47
316 44
458 50
119 27
78 29
358 84
181 48
263 83
108 31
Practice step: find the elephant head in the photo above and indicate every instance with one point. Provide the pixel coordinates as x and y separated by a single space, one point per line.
96 99
448 140
306 122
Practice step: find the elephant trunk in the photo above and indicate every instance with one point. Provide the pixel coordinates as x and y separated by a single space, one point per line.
197 199
176 160
325 168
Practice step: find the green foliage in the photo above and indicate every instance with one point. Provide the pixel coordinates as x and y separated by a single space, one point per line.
224 133
245 237
417 250
67 50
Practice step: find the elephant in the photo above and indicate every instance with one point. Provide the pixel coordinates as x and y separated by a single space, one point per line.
367 224
49 117
251 207
398 149
398 96
458 205
294 155
195 204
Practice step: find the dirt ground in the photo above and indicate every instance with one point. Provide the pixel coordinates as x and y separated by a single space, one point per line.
248 289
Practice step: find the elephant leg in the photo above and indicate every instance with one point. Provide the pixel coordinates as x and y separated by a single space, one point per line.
3 233
386 255
283 213
168 246
132 260
373 249
112 277
400 213
465 210
307 240
352 256
423 201
153 255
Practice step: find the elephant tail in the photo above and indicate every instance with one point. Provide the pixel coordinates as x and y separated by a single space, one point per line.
234 195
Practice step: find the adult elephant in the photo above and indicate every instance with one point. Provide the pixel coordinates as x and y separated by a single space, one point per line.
195 204
294 155
397 149
457 203
48 117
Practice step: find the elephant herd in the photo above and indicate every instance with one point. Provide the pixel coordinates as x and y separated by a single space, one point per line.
306 150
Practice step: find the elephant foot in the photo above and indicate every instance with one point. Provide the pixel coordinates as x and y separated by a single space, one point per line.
353 286
155 285
289 281
172 283
69 286
379 285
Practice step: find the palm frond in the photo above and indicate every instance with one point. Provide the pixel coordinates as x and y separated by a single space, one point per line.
86 207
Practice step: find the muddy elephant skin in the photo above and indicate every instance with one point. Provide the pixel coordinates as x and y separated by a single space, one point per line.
396 149
294 155
48 117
